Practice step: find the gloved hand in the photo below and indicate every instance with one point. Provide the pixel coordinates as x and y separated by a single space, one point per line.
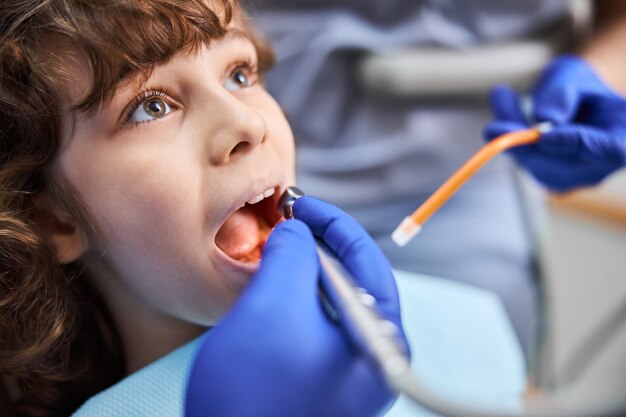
588 139
276 353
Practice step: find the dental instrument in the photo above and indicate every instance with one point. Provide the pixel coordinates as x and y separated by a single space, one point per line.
354 306
356 310
412 225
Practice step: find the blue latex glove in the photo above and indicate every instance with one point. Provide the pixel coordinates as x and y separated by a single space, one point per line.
276 353
588 141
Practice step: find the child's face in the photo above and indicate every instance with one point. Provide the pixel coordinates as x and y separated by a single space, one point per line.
162 174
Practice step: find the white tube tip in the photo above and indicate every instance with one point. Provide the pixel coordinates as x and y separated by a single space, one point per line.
405 232
544 127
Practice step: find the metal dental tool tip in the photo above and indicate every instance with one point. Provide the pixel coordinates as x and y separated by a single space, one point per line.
289 196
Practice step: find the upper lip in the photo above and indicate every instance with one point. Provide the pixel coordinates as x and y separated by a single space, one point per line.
253 192
258 186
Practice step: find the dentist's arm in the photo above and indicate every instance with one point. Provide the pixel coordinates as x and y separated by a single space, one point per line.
276 353
580 96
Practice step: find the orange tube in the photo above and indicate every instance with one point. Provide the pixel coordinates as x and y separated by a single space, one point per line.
412 224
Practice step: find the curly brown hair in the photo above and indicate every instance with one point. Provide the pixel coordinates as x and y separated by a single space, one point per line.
57 339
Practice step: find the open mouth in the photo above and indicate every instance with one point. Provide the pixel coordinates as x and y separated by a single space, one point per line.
244 233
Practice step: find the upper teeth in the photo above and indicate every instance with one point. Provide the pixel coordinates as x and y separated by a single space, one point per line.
261 196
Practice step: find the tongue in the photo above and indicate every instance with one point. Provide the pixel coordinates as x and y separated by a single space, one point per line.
240 236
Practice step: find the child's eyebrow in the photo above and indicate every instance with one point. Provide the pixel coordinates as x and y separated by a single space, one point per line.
233 34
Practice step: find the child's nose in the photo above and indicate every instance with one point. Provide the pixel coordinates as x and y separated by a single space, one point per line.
240 129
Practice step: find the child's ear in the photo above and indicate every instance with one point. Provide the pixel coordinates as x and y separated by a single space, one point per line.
60 231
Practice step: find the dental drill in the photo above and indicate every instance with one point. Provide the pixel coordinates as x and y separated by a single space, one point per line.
355 308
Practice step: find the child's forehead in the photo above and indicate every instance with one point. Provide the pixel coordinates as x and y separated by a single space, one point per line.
81 80
114 47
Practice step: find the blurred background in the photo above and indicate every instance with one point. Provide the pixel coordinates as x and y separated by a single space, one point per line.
584 262
388 98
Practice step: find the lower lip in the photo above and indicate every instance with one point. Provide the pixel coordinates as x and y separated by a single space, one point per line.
246 267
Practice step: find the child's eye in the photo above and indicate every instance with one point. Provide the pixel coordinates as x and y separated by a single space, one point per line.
241 77
148 109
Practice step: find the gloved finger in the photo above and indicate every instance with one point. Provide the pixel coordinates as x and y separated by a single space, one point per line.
585 143
347 239
289 252
506 104
283 297
561 141
355 248
559 174
603 110
555 98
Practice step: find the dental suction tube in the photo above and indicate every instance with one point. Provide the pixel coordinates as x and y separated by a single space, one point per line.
356 309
